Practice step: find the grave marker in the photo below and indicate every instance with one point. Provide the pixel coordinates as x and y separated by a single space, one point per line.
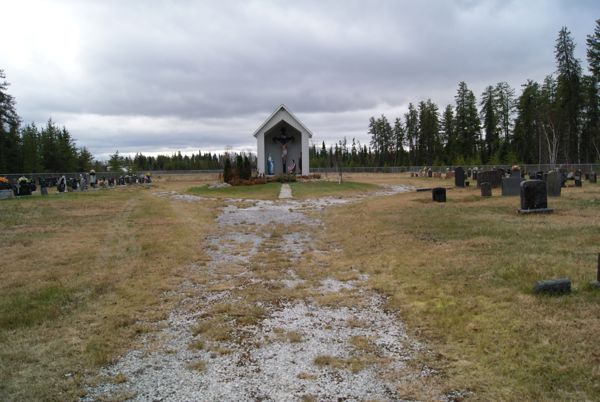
534 197
486 189
459 177
438 194
553 183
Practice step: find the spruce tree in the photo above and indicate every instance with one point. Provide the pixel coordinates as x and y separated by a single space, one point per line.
567 94
490 119
467 123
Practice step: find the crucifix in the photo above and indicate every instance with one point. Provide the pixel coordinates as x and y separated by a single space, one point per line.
283 139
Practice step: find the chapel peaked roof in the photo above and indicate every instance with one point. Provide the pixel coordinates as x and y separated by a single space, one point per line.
292 116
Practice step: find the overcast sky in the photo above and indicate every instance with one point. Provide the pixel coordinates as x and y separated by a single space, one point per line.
162 76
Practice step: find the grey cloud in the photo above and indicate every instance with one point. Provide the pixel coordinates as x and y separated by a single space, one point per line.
195 62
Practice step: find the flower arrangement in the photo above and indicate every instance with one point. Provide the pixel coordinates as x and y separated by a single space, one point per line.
4 183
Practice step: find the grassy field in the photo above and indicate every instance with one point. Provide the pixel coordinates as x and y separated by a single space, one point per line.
314 189
270 191
461 275
82 275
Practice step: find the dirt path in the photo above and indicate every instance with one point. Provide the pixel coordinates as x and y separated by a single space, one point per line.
267 322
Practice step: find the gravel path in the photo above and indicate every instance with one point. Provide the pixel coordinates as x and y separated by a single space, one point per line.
298 350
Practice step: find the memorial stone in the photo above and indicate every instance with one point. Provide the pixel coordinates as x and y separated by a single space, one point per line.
511 186
553 183
534 197
491 176
486 189
459 177
438 194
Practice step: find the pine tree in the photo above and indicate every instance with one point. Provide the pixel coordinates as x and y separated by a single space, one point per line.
567 94
411 119
31 150
490 118
10 141
467 123
399 139
593 52
526 142
85 160
449 135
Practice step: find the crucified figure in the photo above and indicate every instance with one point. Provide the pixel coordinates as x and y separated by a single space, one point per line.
283 139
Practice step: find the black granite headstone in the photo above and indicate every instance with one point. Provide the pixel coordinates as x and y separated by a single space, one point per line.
491 176
534 198
593 178
486 189
438 194
459 177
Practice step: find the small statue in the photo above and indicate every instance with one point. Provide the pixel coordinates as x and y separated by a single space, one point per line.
292 167
270 165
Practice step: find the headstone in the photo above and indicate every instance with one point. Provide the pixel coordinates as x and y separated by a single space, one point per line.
553 286
596 283
534 197
438 194
593 178
553 183
6 194
474 174
469 173
43 186
539 175
430 173
467 183
459 177
491 176
486 189
511 186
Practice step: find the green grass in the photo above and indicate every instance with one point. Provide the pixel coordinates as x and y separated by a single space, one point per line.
269 191
314 189
21 309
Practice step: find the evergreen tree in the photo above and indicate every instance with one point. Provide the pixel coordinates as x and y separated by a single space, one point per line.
10 141
30 151
567 94
526 143
467 123
429 143
399 138
490 118
85 160
411 119
593 52
116 162
449 135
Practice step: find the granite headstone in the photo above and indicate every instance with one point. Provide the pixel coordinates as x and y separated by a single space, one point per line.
438 194
459 177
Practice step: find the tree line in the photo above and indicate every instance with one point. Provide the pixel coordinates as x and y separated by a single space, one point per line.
555 121
31 149
176 161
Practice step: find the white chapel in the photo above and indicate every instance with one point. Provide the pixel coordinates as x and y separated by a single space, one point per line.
282 142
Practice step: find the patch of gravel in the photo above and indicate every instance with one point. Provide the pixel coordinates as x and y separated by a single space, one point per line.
267 363
263 213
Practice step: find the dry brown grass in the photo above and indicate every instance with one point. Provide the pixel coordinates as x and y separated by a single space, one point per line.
461 274
86 275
